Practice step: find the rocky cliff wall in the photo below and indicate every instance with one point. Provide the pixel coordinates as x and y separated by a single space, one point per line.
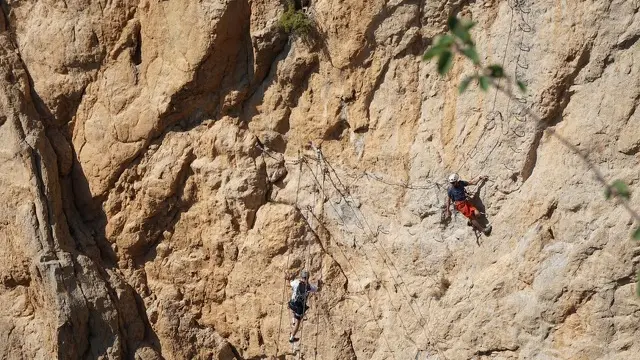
157 181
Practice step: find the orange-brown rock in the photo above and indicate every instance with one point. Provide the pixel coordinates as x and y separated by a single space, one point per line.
159 176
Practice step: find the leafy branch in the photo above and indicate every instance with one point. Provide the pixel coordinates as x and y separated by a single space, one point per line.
295 22
458 40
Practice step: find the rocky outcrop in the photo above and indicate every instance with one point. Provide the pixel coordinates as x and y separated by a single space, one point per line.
158 181
59 296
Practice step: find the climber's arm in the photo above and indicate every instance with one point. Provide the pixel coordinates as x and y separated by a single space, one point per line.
477 179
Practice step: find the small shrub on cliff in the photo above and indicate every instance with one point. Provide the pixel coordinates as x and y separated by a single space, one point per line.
295 22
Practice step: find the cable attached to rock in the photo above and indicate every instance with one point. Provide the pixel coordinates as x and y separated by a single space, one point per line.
369 301
307 266
370 262
284 298
327 169
385 257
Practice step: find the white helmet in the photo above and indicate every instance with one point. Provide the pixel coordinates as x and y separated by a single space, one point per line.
453 178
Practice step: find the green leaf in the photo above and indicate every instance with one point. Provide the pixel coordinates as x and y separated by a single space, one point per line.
442 44
463 35
496 71
445 62
483 81
465 84
445 40
433 52
461 29
522 86
453 22
621 189
636 234
472 54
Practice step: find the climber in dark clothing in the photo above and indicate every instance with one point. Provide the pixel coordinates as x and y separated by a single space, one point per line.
458 195
298 303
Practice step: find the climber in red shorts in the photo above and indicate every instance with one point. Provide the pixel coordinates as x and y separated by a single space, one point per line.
458 195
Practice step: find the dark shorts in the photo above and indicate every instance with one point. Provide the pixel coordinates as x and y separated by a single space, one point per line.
298 309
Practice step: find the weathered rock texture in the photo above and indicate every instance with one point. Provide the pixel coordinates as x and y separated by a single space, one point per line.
141 218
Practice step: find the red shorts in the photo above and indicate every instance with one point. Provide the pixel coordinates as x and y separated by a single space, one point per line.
466 208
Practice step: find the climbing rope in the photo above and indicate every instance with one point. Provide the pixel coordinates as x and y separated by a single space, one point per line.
363 290
384 255
368 259
518 7
320 222
287 247
299 179
342 192
297 207
308 267
493 115
317 305
360 220
409 186
334 179
284 299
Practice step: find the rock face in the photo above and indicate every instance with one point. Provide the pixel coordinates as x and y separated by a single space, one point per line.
157 181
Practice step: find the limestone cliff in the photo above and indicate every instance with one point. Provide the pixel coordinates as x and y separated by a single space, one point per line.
157 180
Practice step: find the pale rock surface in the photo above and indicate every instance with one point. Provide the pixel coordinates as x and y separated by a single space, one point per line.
157 181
